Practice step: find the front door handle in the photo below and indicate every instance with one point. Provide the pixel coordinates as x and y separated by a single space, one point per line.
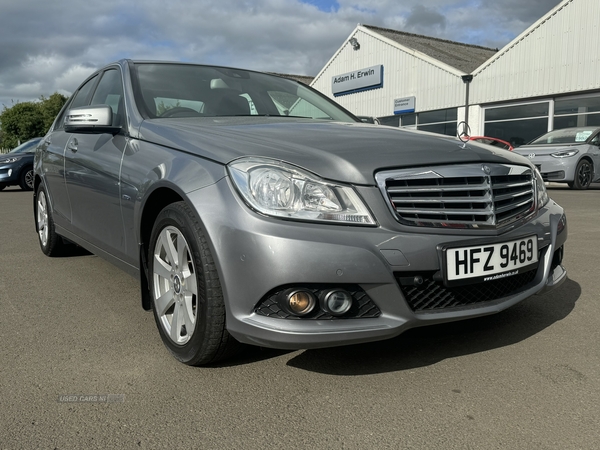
73 144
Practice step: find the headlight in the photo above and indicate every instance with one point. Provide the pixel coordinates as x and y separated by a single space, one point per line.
9 160
540 189
278 189
564 153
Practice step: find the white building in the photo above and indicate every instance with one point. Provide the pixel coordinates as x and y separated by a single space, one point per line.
548 77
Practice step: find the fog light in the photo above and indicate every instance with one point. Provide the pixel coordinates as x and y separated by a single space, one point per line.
298 302
9 172
336 302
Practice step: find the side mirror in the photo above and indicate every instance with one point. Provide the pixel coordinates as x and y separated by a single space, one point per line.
91 119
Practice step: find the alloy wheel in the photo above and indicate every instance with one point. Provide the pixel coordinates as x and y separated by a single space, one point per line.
584 175
29 179
42 218
175 286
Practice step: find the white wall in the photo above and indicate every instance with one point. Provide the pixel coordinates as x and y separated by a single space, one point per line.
406 73
560 53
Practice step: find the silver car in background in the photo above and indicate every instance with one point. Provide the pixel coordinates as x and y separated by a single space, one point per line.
252 209
568 155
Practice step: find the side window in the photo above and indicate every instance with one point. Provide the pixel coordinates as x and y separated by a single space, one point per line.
80 98
110 92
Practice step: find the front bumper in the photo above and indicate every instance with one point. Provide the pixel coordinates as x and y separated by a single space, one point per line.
255 255
10 172
556 169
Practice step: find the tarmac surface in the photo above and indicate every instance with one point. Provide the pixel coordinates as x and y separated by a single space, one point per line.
82 366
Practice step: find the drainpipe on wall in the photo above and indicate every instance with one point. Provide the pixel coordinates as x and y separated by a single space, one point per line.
467 80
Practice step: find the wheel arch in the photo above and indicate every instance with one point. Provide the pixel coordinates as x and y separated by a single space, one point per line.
23 170
154 204
588 158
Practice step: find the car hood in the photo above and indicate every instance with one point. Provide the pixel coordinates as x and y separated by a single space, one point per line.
346 152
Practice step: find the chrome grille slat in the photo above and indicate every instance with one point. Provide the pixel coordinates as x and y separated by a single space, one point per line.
511 185
512 206
483 212
484 199
502 197
468 195
441 189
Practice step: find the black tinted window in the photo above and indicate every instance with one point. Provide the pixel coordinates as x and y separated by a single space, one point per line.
79 99
110 92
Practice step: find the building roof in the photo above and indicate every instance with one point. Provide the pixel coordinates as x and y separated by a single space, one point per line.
306 79
464 57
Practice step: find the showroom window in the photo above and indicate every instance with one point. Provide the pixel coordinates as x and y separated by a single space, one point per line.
390 121
442 121
517 124
577 112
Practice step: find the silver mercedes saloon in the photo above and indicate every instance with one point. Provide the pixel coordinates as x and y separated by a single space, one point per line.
254 210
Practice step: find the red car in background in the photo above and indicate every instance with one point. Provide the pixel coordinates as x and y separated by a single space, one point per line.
492 141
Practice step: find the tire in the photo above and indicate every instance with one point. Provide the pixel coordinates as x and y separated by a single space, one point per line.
583 175
26 179
50 242
186 294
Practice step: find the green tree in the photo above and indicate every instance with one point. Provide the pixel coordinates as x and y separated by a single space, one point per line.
21 122
27 120
50 108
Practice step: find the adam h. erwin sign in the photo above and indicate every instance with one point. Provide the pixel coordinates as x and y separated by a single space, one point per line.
359 80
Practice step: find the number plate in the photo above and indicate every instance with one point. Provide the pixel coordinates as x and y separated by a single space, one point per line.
480 263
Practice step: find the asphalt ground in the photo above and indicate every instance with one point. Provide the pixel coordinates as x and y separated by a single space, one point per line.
82 366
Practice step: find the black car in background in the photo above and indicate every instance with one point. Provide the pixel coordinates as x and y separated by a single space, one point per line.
16 167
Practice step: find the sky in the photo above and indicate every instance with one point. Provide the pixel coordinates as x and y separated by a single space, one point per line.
53 45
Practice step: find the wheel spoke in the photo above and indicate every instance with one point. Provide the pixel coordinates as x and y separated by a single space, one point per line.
164 302
167 243
182 252
176 322
188 317
161 267
190 283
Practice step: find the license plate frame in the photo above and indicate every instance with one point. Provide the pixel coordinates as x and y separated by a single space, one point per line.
489 261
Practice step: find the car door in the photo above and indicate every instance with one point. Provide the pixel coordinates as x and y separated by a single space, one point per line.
53 157
92 172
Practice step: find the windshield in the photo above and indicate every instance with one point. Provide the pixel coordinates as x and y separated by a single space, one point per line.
565 136
27 147
180 90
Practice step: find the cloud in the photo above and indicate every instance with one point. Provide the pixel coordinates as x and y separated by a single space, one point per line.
423 20
53 46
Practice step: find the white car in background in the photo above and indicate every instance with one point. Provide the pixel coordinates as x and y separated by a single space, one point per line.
568 155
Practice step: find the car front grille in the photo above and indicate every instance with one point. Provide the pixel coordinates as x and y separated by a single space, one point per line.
432 295
460 196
